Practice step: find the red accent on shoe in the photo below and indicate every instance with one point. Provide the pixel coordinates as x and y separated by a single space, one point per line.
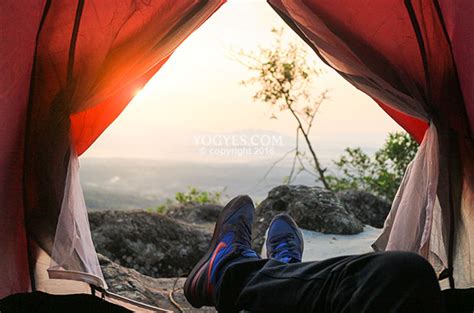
220 246
196 278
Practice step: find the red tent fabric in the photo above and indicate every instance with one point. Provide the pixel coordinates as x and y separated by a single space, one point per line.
406 55
17 46
459 25
69 69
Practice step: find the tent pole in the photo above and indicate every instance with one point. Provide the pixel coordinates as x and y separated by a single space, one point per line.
451 236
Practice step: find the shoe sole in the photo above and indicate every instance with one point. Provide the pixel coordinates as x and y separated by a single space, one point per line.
290 221
191 296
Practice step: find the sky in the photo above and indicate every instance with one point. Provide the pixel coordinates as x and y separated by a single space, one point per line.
196 103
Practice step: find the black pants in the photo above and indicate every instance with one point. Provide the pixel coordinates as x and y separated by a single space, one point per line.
375 282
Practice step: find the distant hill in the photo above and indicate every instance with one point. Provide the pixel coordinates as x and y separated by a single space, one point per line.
131 183
103 199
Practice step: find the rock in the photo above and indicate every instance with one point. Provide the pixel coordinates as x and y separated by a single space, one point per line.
154 291
368 208
313 208
148 241
198 213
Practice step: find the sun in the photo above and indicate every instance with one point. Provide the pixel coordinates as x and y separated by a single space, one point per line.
139 94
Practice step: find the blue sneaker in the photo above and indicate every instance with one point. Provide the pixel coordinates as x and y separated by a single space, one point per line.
230 244
284 240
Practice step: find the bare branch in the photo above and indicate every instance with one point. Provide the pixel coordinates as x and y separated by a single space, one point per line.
273 165
322 97
286 78
295 156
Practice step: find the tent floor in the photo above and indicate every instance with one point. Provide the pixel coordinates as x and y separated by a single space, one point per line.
457 301
42 302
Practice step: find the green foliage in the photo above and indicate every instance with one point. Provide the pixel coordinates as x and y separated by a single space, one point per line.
380 174
162 208
196 196
284 75
192 196
286 80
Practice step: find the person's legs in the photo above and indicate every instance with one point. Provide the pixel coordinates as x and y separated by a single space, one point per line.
375 282
230 244
231 277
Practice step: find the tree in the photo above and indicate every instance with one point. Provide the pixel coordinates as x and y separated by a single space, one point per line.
380 174
285 79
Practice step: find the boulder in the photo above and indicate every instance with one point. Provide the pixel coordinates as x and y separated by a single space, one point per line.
152 244
313 208
196 213
368 208
154 291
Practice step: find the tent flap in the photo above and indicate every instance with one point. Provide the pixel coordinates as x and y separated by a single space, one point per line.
19 24
403 59
80 62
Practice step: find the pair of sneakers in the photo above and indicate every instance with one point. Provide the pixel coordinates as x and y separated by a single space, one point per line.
231 244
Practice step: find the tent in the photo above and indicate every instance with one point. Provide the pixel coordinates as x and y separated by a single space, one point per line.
415 59
70 68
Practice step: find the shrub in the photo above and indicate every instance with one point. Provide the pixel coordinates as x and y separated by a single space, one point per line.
192 196
380 174
196 196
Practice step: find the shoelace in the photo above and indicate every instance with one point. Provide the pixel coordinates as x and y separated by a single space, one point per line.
284 248
241 246
243 239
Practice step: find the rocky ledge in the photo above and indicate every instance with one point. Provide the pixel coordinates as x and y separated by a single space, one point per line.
160 292
151 243
145 256
313 208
